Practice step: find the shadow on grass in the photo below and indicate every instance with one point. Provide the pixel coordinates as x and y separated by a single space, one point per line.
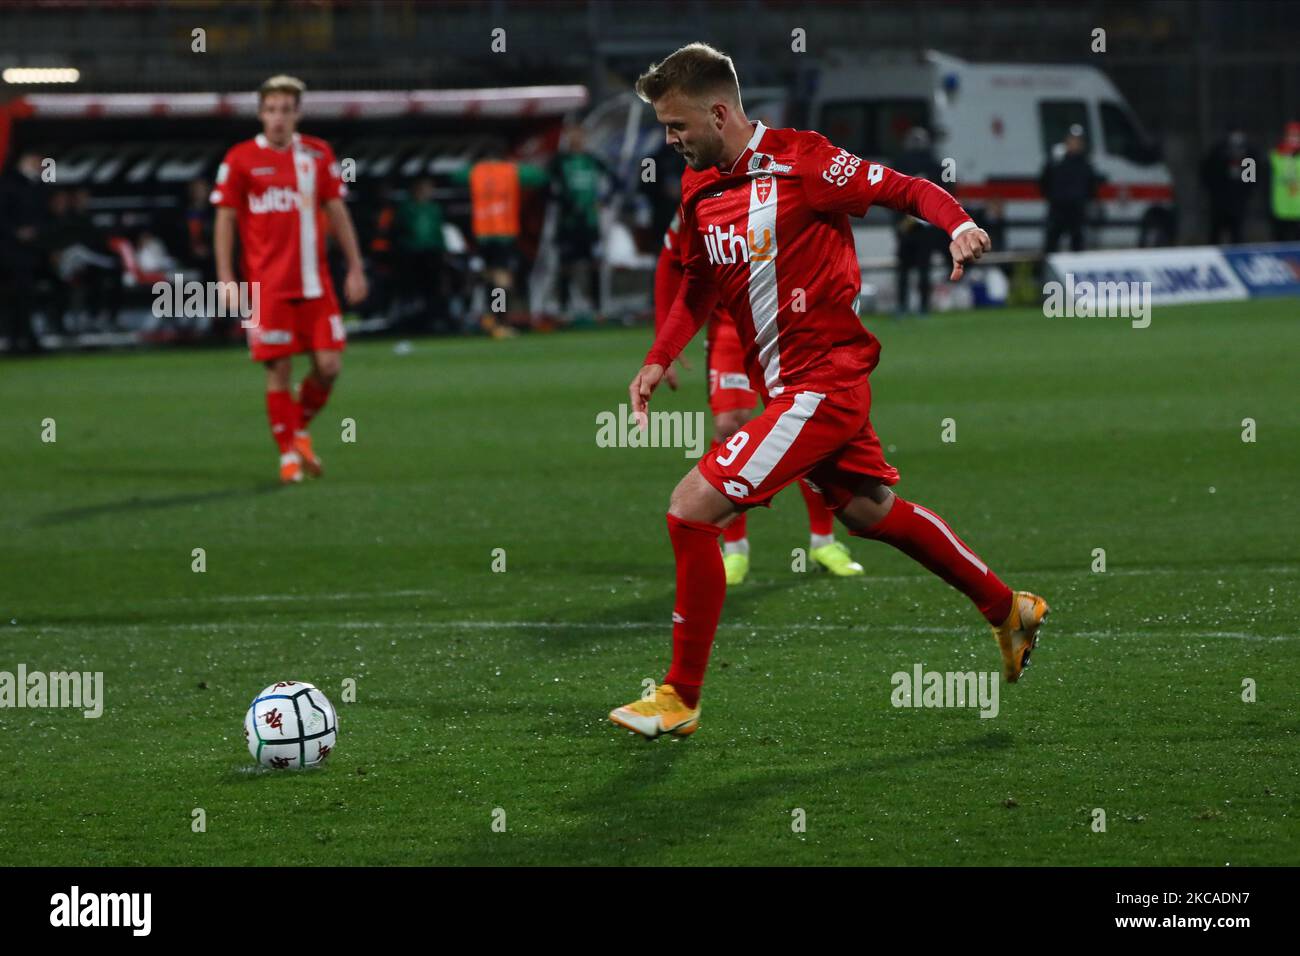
645 808
140 503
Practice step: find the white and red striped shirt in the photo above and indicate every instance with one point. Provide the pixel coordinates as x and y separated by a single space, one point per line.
770 239
278 195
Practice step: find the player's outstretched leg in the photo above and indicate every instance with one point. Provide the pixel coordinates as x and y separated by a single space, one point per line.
696 518
313 393
282 412
1015 616
826 553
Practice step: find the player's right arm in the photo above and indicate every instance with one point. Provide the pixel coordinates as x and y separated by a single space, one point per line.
697 294
223 247
668 279
227 195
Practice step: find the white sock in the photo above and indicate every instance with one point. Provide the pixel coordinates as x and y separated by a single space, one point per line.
821 540
736 547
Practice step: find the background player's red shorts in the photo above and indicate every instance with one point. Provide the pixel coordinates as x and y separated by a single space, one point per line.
289 326
827 438
728 381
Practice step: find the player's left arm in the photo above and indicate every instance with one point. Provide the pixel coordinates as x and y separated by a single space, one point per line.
837 181
355 287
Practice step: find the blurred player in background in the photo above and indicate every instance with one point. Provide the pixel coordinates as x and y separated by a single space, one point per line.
732 399
496 185
578 178
765 230
278 189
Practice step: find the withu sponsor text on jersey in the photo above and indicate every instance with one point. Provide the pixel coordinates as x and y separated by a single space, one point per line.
274 199
730 247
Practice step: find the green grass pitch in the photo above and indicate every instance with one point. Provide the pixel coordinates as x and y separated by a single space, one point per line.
481 690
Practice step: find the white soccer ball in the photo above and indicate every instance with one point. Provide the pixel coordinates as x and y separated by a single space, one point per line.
291 725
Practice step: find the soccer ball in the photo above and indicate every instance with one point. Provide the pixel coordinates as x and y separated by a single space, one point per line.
290 725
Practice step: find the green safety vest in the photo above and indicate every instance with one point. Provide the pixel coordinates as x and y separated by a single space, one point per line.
1286 185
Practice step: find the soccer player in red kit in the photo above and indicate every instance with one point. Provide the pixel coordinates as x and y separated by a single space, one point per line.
765 230
279 189
732 401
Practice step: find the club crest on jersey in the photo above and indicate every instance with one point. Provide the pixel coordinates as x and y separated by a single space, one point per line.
761 163
763 189
729 247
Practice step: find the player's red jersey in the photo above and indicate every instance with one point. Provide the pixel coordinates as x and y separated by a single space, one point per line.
668 278
770 239
729 385
278 195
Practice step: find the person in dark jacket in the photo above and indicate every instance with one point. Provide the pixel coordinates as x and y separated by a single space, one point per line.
579 178
1069 182
917 240
23 213
1223 178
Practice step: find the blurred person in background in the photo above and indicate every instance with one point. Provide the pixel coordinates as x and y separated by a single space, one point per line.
279 190
1069 183
23 214
1284 175
664 191
196 255
421 247
152 256
577 181
495 185
1225 186
198 226
85 262
53 238
381 252
917 240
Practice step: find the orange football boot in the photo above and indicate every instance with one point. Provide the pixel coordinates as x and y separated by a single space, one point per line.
310 463
1019 632
665 713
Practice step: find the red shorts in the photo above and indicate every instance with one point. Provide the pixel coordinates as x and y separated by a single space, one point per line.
826 438
281 327
729 386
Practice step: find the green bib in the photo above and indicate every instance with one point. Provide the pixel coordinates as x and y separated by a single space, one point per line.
1286 185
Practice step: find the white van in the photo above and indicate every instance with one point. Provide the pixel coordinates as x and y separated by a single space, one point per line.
999 122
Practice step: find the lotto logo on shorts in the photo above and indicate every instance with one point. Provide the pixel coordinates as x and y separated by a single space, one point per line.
735 489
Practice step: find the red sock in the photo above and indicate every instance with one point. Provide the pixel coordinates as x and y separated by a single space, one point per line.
312 395
923 536
701 586
282 411
736 530
820 519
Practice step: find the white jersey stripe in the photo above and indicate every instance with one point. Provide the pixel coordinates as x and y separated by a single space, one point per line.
778 441
935 520
763 303
305 167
